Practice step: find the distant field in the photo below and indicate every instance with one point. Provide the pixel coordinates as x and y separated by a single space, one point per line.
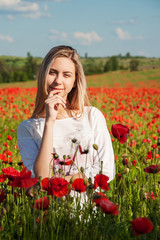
126 78
144 62
112 79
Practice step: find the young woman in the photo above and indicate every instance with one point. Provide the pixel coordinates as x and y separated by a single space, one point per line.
64 127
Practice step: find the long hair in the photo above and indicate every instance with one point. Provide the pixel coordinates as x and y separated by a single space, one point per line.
77 97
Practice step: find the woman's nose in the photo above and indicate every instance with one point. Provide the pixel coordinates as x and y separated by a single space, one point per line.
58 79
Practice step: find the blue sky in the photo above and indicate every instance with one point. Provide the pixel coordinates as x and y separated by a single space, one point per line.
97 27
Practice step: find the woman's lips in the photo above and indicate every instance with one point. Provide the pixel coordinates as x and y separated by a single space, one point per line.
55 89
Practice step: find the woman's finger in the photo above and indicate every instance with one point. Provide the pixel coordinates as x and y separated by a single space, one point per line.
55 102
50 97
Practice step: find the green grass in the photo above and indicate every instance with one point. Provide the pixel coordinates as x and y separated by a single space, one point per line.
111 79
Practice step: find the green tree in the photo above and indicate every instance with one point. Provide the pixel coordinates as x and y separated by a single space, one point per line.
86 55
112 64
91 66
128 55
30 67
134 63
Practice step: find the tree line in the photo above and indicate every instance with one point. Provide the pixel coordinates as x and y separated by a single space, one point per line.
29 70
15 73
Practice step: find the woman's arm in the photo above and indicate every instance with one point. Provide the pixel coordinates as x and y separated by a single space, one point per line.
42 165
43 161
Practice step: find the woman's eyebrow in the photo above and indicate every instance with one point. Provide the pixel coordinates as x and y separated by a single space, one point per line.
53 69
68 72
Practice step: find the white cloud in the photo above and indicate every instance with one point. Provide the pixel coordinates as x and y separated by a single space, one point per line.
87 38
25 9
83 38
45 7
18 6
10 17
132 20
35 15
60 36
6 38
122 34
139 38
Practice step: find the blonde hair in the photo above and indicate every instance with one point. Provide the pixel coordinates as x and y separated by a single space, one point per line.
77 97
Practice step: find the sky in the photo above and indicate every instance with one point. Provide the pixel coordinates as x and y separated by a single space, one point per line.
99 28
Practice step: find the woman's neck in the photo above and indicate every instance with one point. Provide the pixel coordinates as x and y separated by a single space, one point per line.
62 113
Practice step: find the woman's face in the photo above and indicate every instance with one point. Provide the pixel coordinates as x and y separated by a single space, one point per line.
61 76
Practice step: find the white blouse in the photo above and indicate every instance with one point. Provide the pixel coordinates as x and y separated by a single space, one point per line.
86 131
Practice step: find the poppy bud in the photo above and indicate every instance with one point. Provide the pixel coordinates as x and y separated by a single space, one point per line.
90 180
95 146
124 155
55 155
72 180
127 170
82 169
85 182
59 171
74 140
130 149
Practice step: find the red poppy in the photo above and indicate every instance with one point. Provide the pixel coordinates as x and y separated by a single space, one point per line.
19 179
98 197
79 185
67 161
55 186
108 207
119 176
149 195
83 152
142 225
2 178
45 184
134 162
23 182
154 146
149 155
100 180
9 137
42 203
12 173
120 132
152 169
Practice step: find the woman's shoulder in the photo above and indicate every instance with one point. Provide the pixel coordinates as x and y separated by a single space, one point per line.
31 123
30 127
93 111
95 116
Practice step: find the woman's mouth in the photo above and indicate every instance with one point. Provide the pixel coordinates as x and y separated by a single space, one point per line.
56 89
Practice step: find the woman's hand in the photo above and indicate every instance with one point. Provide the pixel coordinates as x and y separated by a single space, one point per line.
52 103
71 178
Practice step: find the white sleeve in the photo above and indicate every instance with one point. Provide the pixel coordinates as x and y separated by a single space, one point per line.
27 147
105 150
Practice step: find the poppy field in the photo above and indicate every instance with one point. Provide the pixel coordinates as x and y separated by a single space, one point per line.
126 208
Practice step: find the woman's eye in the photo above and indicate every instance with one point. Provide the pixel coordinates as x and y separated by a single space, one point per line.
52 72
66 75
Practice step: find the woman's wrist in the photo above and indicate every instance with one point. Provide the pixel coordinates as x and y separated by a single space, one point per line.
49 122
